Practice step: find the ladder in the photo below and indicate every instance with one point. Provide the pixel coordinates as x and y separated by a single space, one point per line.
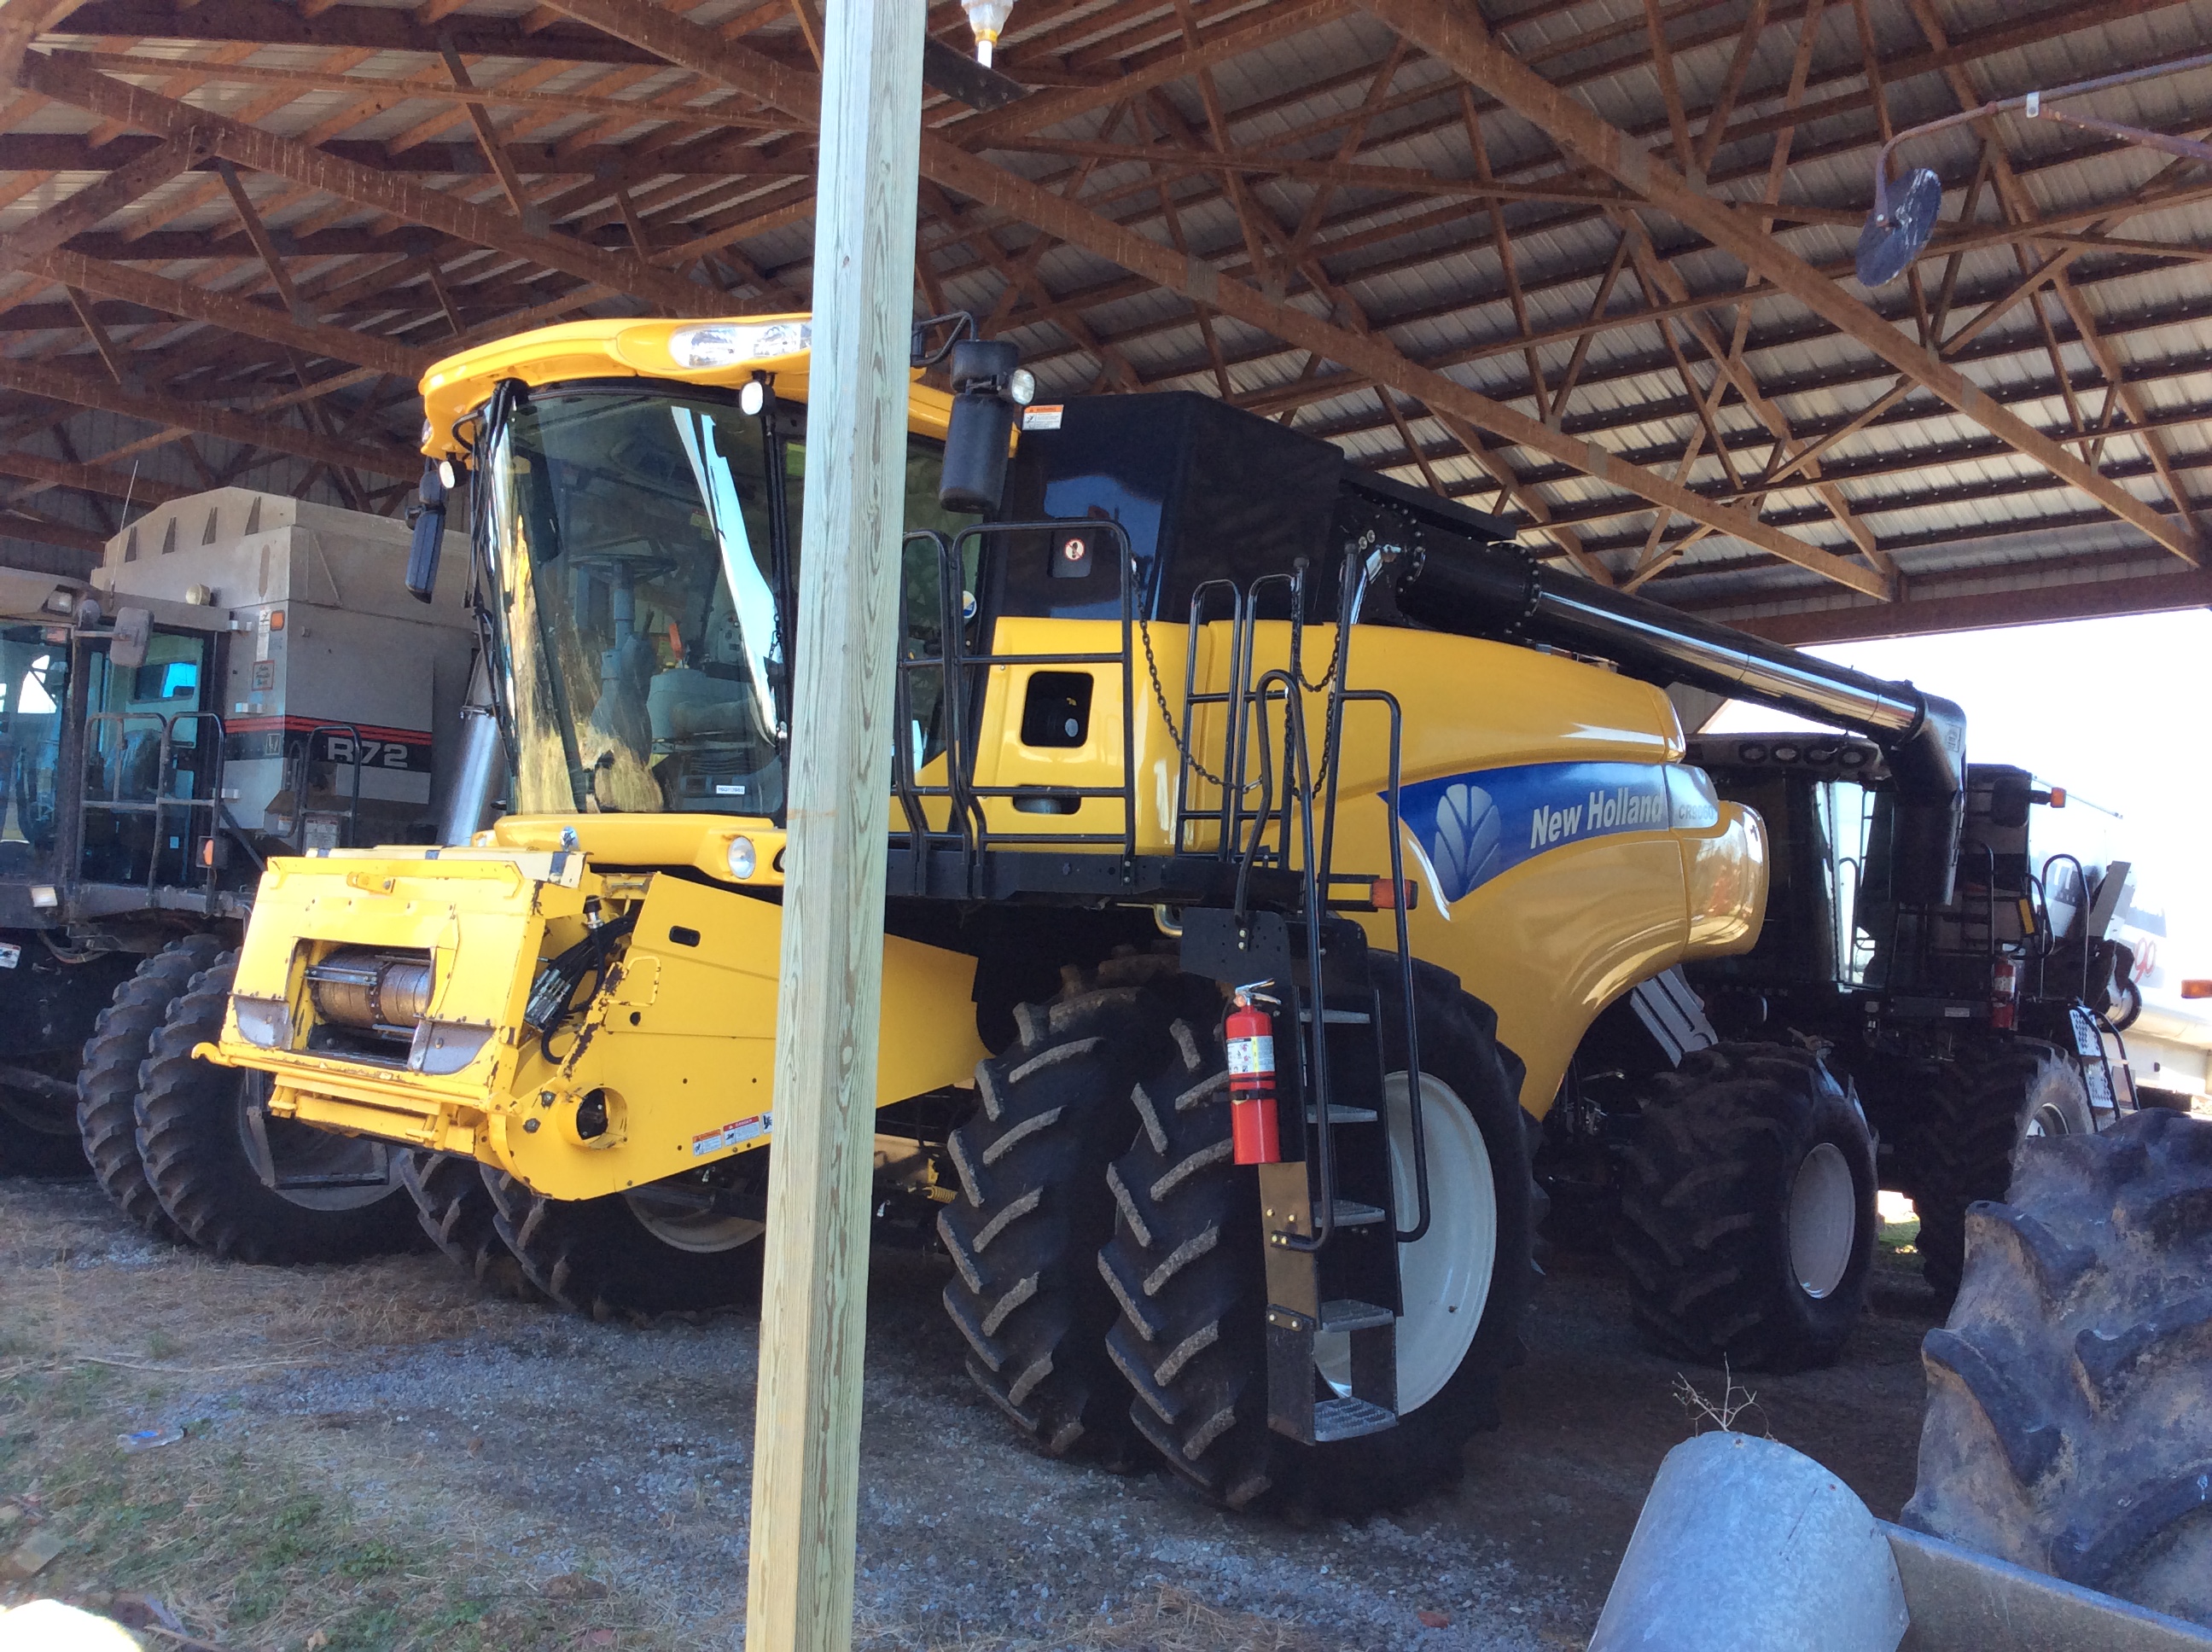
1329 1210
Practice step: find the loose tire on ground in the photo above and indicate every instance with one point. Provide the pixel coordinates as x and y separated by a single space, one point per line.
1185 1262
638 1256
2069 1412
107 1078
458 1213
38 1134
1053 1110
1977 1112
1748 1210
201 1134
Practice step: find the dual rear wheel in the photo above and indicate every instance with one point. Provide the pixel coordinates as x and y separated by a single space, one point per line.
189 1151
1113 1299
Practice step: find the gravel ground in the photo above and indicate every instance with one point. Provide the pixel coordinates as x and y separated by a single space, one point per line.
547 1447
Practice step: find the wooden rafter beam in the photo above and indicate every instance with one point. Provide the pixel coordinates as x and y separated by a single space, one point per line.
695 47
1371 355
1456 37
262 151
85 210
81 390
231 312
373 29
98 480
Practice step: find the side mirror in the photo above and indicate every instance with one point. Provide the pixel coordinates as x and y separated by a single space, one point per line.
429 518
988 383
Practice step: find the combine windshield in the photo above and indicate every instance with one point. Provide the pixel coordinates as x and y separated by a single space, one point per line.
644 546
641 601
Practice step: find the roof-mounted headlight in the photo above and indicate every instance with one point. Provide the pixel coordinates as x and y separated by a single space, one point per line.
723 344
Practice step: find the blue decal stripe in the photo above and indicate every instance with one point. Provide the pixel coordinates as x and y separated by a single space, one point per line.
1477 826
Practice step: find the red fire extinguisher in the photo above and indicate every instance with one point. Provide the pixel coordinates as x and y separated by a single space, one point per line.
1253 1129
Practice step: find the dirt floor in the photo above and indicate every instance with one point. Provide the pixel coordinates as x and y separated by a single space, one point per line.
379 1456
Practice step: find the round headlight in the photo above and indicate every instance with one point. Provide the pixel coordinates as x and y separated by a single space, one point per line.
448 477
741 857
1021 385
752 398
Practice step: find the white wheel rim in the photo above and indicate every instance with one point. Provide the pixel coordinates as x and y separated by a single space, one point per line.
681 1225
1824 1220
1444 1276
2049 1119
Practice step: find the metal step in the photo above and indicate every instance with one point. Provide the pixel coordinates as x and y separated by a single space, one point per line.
1347 1420
1350 1214
1345 1315
1339 1114
1338 1017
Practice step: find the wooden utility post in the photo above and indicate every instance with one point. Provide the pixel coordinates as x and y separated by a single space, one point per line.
813 1317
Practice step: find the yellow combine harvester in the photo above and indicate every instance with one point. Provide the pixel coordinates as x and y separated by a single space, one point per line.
1229 794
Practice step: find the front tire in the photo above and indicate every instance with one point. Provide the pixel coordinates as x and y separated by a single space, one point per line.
1747 1213
1035 1206
648 1254
107 1078
2069 1411
459 1215
1978 1112
1186 1261
218 1161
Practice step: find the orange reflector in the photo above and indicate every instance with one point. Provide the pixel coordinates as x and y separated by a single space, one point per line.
207 851
1385 895
276 619
2058 797
2197 989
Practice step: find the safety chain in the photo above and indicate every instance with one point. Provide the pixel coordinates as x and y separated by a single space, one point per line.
1167 716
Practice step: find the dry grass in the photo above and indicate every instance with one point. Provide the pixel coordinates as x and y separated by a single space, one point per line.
252 1537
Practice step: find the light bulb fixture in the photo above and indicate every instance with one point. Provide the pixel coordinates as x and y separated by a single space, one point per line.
1895 236
988 18
752 397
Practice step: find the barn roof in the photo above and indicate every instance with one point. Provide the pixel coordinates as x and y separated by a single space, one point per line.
1587 263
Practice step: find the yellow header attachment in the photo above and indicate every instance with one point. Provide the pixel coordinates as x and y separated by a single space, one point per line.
692 352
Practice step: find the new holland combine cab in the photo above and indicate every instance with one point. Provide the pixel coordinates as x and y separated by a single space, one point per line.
239 679
1267 837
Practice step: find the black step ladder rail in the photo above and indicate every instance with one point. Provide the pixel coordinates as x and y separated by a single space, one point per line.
1341 694
905 784
1368 1402
104 770
220 820
1231 699
1277 685
968 827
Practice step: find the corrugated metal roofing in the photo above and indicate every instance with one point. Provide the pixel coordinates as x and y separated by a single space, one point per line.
1488 290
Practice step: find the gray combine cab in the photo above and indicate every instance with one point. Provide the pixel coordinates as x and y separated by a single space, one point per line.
241 677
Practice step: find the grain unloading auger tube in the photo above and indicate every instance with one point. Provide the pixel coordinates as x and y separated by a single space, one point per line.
1165 729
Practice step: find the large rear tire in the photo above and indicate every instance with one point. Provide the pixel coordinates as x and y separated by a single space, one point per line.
220 1164
1024 1235
458 1213
1186 1262
107 1077
1977 1114
2069 1412
640 1255
1747 1210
